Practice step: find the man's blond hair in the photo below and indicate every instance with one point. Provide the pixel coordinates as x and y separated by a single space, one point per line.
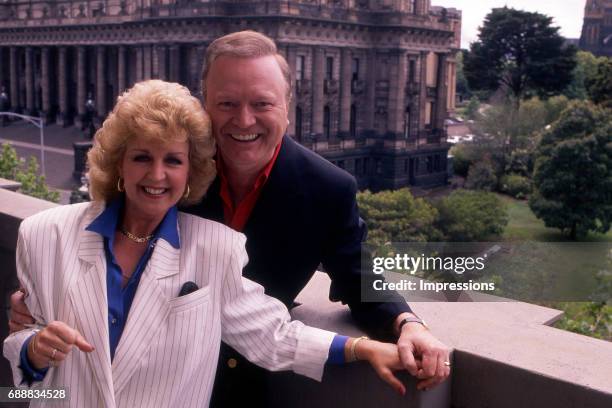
245 44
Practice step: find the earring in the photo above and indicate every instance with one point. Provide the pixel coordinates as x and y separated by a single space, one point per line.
119 188
187 191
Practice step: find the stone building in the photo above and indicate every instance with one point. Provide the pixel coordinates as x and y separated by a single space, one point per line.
597 27
374 80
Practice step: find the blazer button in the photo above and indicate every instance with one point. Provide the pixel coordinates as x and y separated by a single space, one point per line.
232 363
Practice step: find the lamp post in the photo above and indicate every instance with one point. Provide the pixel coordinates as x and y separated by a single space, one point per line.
82 147
4 104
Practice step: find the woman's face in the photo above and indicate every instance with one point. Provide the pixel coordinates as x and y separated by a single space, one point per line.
155 176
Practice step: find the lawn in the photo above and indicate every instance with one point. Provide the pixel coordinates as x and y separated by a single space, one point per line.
581 317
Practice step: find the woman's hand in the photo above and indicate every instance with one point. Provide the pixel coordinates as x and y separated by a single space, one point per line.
383 357
51 345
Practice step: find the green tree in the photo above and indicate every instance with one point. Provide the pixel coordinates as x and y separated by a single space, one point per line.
521 52
462 84
471 216
31 183
396 216
481 176
600 85
573 172
585 70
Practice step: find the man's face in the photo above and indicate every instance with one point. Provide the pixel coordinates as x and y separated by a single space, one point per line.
245 98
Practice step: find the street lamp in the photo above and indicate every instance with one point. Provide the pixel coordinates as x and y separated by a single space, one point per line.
4 104
90 110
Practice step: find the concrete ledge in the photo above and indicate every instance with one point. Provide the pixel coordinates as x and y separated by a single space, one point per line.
9 184
504 354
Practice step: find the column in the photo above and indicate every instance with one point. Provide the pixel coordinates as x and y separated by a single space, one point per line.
121 70
14 92
159 62
139 64
422 89
100 82
194 63
44 83
397 94
371 91
318 102
81 85
345 92
441 91
62 119
175 59
147 62
291 56
29 80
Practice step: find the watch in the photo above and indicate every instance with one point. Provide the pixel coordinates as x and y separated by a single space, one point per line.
412 319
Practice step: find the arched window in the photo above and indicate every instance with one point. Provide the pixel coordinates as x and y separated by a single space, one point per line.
326 122
353 122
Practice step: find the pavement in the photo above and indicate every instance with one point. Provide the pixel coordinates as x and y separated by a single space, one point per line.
57 147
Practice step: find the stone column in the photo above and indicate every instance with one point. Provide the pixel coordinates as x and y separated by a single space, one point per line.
345 93
81 85
147 62
371 91
200 63
100 82
441 91
397 94
422 89
121 70
139 64
318 103
29 80
44 83
14 92
291 56
156 62
62 118
175 60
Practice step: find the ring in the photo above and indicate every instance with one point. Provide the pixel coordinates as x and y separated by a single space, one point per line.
447 363
53 354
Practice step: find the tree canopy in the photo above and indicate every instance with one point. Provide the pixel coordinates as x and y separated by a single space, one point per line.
521 52
599 86
573 172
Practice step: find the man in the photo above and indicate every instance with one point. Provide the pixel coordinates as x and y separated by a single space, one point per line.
296 209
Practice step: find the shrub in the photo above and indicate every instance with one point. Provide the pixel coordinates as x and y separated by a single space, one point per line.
471 216
515 185
481 176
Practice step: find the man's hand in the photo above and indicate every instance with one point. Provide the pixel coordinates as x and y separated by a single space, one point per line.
20 314
422 354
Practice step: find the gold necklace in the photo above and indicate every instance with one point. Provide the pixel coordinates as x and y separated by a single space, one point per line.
136 238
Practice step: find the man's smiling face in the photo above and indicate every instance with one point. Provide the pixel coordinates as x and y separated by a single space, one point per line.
246 101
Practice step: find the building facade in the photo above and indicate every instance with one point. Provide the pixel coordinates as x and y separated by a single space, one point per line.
374 80
597 27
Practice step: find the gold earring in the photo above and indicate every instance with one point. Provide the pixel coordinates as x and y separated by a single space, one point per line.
187 191
119 188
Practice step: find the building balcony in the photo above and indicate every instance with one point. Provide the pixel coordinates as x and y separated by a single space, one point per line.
505 352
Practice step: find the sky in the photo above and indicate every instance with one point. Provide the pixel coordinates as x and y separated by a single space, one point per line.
567 14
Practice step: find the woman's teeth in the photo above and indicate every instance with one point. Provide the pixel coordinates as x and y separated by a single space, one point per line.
154 191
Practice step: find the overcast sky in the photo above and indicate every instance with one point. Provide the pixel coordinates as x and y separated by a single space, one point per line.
566 14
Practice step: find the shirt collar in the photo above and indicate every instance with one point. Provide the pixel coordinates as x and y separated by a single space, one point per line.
105 224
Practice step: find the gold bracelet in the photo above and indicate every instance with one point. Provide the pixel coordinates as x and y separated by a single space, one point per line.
354 345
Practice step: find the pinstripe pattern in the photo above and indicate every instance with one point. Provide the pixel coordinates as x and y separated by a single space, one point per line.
168 352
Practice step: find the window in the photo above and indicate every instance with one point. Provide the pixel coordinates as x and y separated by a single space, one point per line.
411 70
299 68
358 169
428 112
298 123
353 122
326 122
407 123
329 68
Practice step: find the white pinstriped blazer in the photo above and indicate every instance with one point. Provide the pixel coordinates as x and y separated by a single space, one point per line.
167 355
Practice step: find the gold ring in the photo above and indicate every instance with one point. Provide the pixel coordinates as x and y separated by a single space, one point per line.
447 363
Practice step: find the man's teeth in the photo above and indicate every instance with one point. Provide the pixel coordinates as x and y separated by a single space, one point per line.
245 138
154 190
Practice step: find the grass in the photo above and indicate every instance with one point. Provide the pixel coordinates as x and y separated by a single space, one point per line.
587 318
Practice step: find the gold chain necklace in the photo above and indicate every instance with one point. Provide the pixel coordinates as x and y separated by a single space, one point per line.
136 238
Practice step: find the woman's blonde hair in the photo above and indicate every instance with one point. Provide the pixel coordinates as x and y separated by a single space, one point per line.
158 112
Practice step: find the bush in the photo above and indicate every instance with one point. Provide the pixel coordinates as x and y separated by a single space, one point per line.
481 176
515 185
464 155
471 216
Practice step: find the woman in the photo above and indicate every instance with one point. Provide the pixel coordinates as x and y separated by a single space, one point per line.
84 267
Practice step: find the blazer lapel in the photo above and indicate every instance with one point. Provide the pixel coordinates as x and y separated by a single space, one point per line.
88 295
147 314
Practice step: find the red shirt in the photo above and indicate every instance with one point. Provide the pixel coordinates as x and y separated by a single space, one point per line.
237 217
